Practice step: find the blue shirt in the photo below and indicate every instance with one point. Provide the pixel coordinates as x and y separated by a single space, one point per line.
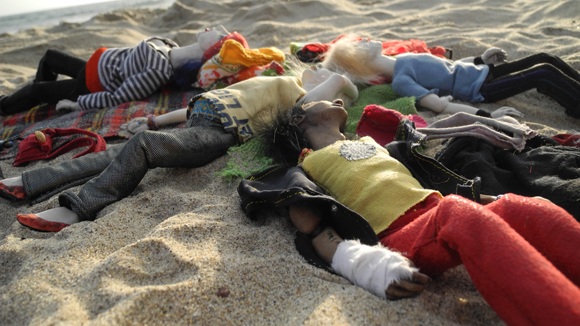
419 74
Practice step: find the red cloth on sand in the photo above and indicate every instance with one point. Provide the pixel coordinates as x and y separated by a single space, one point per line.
393 47
521 253
568 140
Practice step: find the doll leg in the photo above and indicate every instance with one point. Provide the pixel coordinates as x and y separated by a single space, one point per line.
546 227
44 182
53 91
517 281
546 78
188 147
34 94
530 61
55 62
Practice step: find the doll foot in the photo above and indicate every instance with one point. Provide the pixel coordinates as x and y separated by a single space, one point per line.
52 220
12 193
40 224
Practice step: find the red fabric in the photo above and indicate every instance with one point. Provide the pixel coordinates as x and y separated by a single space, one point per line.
521 253
32 149
393 47
215 49
381 124
568 140
92 72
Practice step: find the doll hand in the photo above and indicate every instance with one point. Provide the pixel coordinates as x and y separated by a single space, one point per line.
506 110
446 99
378 270
135 125
494 56
407 289
67 105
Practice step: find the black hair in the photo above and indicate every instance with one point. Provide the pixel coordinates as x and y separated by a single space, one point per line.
185 75
282 139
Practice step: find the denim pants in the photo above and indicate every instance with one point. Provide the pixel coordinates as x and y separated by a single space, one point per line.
116 172
550 75
45 88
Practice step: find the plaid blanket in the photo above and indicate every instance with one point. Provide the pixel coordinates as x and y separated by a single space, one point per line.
105 122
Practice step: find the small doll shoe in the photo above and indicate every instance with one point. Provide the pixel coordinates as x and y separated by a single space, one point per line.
12 193
37 223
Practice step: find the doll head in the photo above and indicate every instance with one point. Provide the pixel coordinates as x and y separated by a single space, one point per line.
282 138
350 57
187 60
209 37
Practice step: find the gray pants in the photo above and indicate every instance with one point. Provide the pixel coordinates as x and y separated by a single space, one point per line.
116 172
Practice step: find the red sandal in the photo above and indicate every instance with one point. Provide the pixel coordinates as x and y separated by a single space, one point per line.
37 223
12 193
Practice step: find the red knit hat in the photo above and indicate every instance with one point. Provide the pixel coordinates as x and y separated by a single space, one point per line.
381 124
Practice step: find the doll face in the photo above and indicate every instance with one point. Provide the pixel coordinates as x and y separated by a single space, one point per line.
324 111
316 75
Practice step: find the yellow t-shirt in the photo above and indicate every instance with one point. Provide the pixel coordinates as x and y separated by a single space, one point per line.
364 177
238 103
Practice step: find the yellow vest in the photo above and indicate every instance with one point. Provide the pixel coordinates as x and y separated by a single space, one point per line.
364 177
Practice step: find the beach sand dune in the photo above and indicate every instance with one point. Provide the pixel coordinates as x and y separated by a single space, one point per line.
161 255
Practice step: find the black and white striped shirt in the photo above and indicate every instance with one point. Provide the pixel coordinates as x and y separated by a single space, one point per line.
128 74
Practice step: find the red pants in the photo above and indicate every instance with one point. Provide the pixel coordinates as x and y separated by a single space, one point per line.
522 254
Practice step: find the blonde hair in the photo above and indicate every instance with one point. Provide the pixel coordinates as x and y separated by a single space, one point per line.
347 57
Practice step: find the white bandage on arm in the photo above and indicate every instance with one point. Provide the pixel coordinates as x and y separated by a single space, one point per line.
372 268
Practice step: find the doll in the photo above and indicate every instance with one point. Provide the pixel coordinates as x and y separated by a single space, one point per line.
435 81
113 76
215 121
520 252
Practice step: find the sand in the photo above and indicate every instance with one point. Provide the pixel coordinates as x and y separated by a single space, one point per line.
161 255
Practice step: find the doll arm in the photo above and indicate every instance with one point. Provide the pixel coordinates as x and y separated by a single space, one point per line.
443 105
146 123
376 269
328 90
490 56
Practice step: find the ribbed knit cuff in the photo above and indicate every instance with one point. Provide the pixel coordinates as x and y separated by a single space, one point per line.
478 60
482 113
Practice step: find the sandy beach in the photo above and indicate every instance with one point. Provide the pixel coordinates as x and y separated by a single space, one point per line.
160 256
